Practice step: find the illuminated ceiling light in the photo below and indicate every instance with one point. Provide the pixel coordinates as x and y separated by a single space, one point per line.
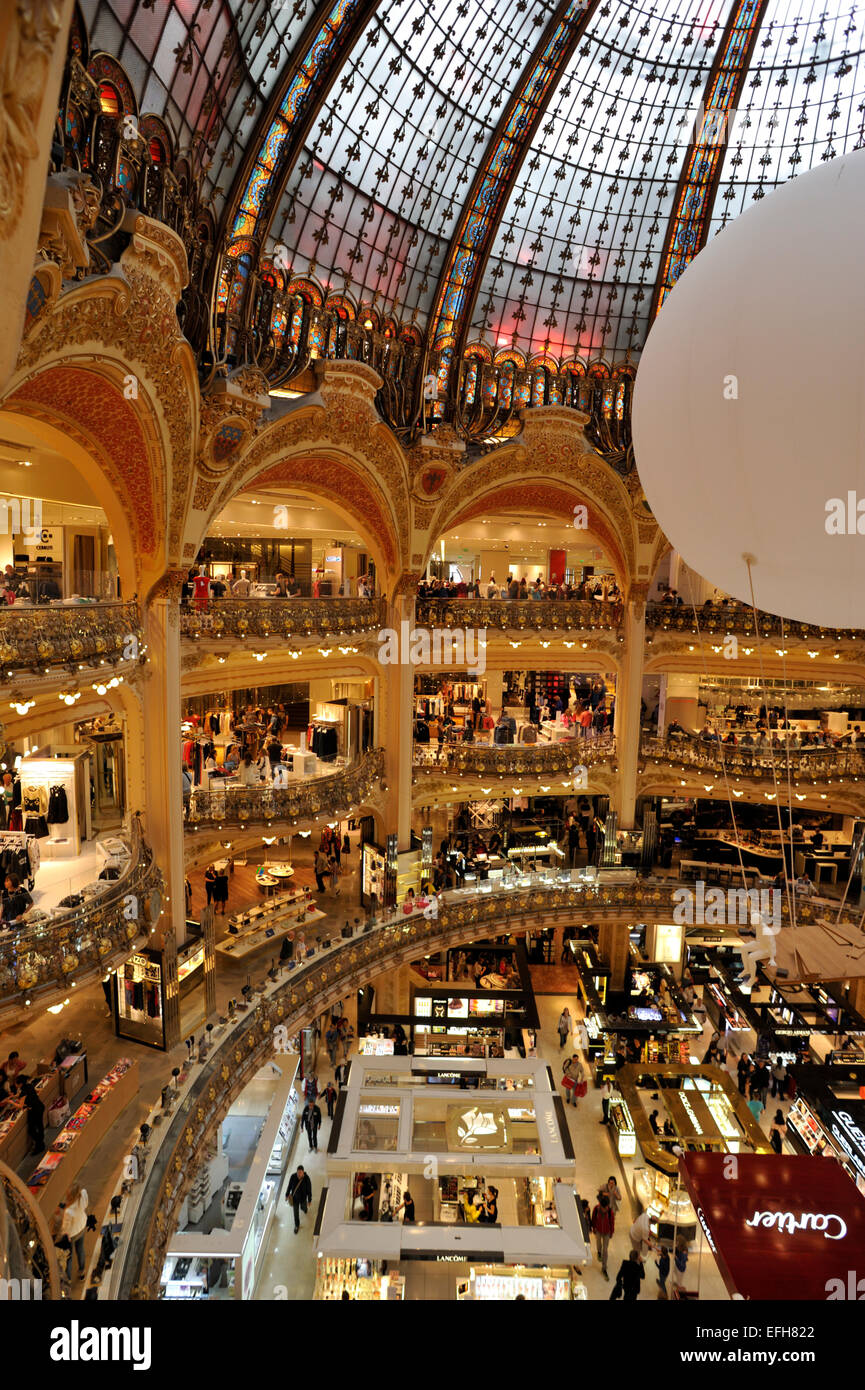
545 789
836 656
822 796
708 787
325 651
100 689
569 644
782 651
747 650
735 793
545 644
516 644
770 796
682 783
486 790
800 796
345 650
294 655
259 656
21 706
813 654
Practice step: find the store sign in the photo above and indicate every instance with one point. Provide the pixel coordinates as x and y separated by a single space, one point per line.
849 1136
789 1223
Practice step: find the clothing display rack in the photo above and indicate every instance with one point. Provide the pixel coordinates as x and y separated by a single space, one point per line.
19 854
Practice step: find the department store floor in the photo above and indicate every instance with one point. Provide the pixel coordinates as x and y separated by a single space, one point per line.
288 1270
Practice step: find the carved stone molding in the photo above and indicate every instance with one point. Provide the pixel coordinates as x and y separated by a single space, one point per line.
28 31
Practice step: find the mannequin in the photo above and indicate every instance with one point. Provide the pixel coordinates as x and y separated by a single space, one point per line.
241 587
201 587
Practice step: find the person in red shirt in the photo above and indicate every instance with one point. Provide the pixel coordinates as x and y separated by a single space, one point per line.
603 1226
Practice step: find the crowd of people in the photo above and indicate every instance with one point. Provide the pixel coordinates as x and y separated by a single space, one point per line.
199 587
603 588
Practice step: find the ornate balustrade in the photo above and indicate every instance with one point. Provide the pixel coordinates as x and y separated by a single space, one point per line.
531 615
514 760
812 765
46 955
739 619
229 803
27 1252
244 619
47 637
292 999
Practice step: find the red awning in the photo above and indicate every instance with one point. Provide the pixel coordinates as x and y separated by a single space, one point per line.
780 1227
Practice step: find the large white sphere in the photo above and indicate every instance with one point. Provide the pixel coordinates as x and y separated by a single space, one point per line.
749 407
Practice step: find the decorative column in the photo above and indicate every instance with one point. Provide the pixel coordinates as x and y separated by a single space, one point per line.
613 946
163 782
628 698
33 39
394 715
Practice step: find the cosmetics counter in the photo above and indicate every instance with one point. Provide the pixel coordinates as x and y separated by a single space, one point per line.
671 1213
499 1283
225 1261
361 1280
827 1118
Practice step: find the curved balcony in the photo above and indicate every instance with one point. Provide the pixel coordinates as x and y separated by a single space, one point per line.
232 804
27 1250
738 619
513 760
53 637
811 765
245 619
46 956
530 615
153 1211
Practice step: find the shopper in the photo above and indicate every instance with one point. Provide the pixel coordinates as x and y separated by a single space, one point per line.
680 1262
74 1226
407 1207
299 1193
629 1278
779 1077
606 1097
329 1095
776 1132
310 1087
572 1075
333 870
340 1074
210 883
347 1041
612 1191
319 867
663 1264
311 1123
220 895
331 1041
26 1093
368 1189
603 1226
563 1027
640 1234
743 1071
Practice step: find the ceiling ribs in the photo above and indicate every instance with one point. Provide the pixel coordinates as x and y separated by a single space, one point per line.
688 227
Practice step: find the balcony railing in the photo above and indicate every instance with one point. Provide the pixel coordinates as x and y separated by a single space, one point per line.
245 619
530 615
228 803
37 639
738 619
290 1000
71 945
514 760
811 765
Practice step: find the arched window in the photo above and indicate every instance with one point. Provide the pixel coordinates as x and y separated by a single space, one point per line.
157 153
109 99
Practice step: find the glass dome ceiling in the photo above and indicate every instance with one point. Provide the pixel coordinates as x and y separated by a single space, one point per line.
605 182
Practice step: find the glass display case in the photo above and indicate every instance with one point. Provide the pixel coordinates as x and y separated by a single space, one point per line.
623 1127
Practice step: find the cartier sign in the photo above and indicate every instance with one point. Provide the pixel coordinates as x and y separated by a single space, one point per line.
789 1223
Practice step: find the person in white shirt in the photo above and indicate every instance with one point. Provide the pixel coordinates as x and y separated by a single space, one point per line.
640 1234
74 1227
492 588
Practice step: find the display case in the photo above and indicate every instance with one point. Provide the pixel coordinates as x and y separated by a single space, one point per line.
499 1283
278 1160
622 1128
361 1279
668 1204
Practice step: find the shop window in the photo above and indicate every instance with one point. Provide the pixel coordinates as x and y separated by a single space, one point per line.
377 1125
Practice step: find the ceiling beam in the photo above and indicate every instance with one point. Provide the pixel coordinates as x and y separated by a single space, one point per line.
317 60
472 241
688 228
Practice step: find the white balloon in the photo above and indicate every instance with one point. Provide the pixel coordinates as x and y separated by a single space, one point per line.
749 405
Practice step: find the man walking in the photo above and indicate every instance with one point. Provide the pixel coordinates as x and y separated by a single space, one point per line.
331 1039
311 1122
341 1075
329 1095
603 1225
299 1193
